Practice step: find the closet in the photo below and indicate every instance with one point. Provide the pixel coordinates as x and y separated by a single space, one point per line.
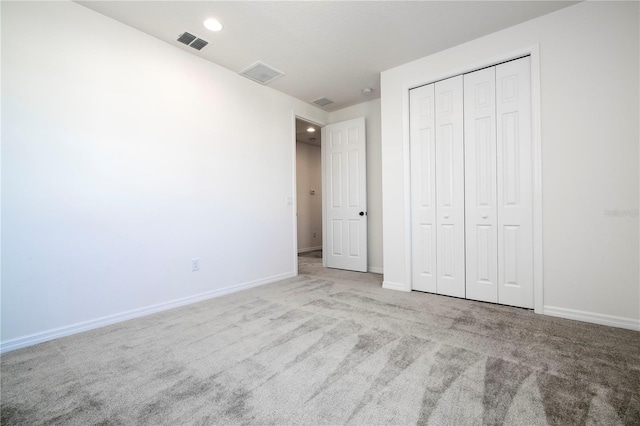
471 185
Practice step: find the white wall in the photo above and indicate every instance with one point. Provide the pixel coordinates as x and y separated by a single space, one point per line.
309 177
589 75
122 161
371 112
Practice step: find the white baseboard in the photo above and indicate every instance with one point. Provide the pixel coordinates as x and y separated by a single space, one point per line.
394 286
33 339
375 270
592 317
308 249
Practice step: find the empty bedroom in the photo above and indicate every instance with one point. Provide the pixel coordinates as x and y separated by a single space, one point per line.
320 213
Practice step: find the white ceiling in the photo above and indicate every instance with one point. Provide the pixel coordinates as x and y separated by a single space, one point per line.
304 135
330 49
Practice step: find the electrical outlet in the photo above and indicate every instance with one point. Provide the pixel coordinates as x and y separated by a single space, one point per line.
195 264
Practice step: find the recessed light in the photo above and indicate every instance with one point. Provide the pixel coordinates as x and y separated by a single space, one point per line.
311 130
212 24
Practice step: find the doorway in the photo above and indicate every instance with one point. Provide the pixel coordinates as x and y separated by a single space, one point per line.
331 192
308 188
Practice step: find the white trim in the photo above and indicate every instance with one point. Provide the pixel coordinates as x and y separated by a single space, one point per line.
538 255
536 154
375 270
33 339
323 147
593 317
308 249
395 286
295 195
406 144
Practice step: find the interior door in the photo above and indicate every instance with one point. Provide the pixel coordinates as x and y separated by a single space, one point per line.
450 187
515 183
480 184
423 188
471 181
345 175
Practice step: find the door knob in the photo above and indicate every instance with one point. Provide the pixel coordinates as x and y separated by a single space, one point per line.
361 213
484 216
446 216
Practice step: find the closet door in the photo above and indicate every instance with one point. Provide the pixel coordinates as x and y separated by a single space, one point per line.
449 187
480 185
423 188
514 184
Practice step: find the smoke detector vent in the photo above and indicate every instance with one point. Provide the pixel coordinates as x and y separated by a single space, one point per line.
322 102
261 73
192 41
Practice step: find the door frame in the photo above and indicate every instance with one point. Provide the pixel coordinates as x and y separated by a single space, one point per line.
295 115
536 157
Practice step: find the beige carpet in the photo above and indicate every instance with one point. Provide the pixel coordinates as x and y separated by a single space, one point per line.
329 347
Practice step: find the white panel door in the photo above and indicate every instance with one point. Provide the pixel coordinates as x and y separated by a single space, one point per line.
480 185
449 132
423 188
346 200
514 183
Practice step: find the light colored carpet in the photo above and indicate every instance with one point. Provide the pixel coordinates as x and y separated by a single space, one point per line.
330 347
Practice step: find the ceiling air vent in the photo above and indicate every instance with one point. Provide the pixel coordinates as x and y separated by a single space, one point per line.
322 102
262 73
192 41
198 44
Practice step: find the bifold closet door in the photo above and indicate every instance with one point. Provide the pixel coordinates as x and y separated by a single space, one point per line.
471 185
450 187
437 188
514 183
480 185
423 188
498 184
